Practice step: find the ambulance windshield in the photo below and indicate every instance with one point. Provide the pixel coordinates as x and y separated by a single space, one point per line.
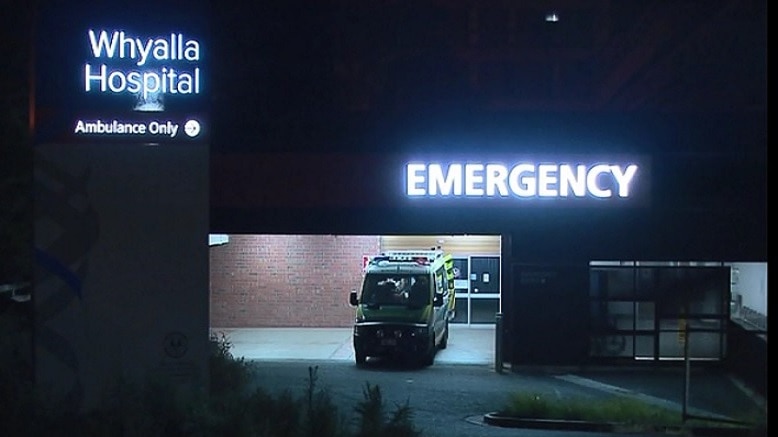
395 289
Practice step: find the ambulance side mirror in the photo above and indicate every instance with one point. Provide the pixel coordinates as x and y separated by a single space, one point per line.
437 300
352 298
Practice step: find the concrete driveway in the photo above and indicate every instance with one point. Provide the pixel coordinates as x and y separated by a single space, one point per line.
468 344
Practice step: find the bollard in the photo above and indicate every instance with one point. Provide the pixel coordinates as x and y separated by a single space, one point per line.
498 342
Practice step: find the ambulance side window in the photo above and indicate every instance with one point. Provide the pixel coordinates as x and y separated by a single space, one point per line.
441 285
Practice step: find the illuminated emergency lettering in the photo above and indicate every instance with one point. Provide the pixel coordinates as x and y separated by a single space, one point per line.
450 183
474 180
524 180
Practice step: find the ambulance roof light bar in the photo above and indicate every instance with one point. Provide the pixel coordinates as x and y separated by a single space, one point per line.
411 255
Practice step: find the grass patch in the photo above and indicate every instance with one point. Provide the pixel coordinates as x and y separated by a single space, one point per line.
614 410
617 410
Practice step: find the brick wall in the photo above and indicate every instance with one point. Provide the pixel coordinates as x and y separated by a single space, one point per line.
286 280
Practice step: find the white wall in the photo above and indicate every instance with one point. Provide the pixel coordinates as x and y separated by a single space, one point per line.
121 279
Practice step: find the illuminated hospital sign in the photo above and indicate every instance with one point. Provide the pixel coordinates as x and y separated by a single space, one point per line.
521 180
153 73
108 74
144 87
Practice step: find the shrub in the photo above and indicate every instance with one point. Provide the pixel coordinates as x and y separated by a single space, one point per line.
227 373
160 408
374 422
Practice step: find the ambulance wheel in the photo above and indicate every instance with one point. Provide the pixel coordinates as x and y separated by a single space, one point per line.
360 357
444 340
429 356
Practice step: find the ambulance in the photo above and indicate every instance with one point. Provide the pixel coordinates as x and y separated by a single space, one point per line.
405 305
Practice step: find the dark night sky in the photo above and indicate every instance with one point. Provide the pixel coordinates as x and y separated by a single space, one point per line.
279 76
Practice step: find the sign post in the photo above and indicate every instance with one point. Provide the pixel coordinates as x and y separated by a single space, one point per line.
121 200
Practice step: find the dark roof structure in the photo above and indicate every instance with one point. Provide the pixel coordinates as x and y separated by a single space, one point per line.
685 56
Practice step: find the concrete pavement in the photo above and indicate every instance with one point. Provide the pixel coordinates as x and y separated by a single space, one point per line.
468 344
712 392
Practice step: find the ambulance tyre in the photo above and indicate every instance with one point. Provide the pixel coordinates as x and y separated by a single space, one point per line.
444 340
429 356
359 357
